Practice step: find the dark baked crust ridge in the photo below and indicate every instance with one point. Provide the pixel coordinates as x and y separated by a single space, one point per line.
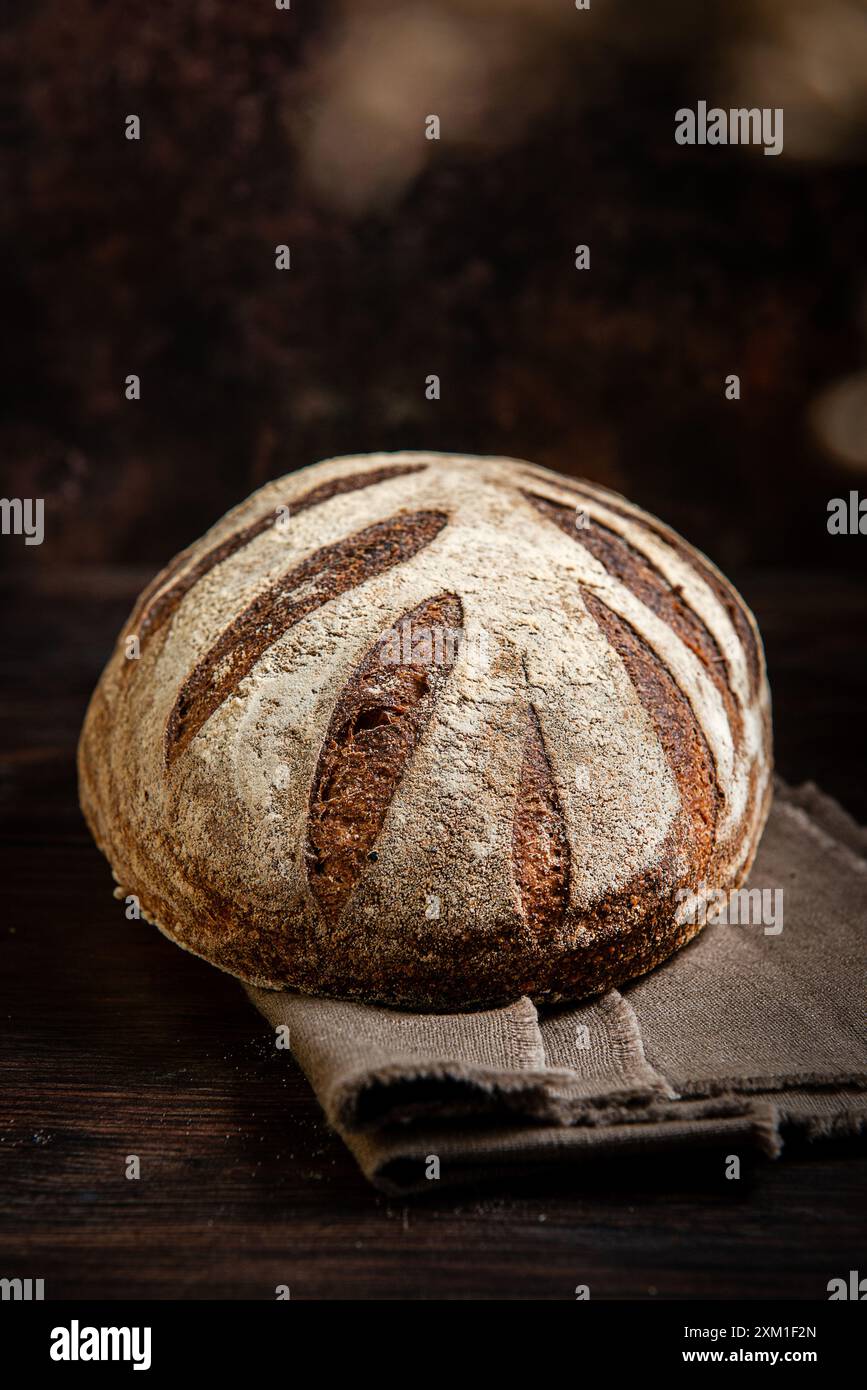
728 596
540 848
651 587
377 723
678 731
326 574
158 602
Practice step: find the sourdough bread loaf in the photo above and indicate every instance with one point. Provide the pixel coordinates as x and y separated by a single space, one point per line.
431 732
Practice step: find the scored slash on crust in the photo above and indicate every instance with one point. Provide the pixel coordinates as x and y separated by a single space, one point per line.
323 576
158 602
374 730
540 846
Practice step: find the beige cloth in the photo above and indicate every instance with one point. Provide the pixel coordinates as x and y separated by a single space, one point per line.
739 1036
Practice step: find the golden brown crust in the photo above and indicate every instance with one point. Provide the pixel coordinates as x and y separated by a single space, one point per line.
443 826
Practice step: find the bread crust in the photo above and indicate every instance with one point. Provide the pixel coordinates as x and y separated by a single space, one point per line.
519 814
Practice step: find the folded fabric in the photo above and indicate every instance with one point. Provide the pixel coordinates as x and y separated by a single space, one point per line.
751 1029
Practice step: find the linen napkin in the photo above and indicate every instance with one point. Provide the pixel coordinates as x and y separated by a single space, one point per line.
750 1030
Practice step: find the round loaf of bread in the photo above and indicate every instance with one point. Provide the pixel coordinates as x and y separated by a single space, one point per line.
431 732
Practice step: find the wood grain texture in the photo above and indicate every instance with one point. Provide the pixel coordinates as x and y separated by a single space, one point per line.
115 1042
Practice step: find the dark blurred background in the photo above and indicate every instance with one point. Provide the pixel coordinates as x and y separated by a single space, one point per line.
409 257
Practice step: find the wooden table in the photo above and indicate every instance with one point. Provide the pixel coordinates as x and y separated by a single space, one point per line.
116 1043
